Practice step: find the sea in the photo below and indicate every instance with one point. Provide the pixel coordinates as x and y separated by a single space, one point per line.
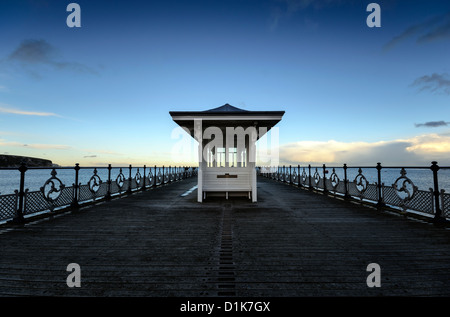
36 178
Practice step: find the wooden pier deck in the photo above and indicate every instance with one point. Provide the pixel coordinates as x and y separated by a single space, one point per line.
290 243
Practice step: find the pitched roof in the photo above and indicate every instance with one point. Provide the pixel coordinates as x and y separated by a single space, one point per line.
226 108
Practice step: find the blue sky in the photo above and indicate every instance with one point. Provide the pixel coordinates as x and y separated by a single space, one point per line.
101 93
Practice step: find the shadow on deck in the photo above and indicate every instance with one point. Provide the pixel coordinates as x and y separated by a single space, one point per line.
290 243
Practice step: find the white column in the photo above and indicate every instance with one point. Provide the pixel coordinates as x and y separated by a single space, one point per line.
198 135
254 185
251 157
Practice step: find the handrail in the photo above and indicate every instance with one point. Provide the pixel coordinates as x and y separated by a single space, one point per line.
402 194
56 195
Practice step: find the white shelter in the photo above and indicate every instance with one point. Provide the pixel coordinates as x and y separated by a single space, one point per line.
227 160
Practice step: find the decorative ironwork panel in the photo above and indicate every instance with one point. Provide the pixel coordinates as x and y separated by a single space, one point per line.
422 201
333 181
35 201
360 183
295 178
8 206
316 179
404 188
138 179
353 190
52 188
85 194
102 191
120 180
134 184
328 184
125 186
150 179
445 202
159 177
390 196
94 183
371 192
340 188
114 188
304 178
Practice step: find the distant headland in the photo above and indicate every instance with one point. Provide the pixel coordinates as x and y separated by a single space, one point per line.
15 161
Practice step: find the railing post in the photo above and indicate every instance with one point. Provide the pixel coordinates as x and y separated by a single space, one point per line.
298 176
309 178
76 186
19 217
169 173
325 179
438 212
155 177
346 195
143 180
108 193
290 175
379 187
129 181
162 181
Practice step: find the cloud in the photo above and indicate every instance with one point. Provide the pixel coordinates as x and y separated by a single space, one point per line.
417 150
108 152
34 52
25 113
35 145
286 8
434 83
432 124
47 146
89 156
441 32
435 28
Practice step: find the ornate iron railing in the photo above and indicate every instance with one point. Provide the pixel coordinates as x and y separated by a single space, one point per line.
401 193
55 195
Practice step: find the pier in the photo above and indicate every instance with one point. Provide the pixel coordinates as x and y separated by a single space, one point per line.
161 242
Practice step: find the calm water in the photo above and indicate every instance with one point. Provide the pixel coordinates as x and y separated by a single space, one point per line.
35 179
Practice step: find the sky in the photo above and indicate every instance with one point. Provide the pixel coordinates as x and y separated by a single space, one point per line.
101 93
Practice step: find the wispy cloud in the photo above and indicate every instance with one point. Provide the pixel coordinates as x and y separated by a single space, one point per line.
434 83
35 145
7 109
284 9
435 28
47 146
432 124
107 152
39 52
